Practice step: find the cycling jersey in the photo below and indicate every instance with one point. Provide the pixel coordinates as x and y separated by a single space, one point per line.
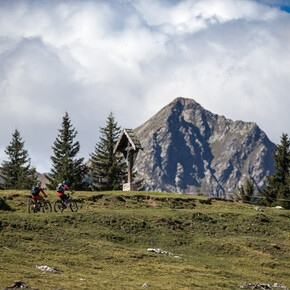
64 188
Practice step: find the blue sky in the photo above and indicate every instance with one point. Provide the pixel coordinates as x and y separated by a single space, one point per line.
134 57
285 8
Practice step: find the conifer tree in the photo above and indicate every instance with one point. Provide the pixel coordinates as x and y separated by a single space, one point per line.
17 173
277 191
64 162
247 194
107 170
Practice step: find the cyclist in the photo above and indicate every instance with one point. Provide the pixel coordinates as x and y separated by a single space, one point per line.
61 188
35 192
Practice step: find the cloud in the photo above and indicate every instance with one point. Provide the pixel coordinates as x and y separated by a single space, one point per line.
192 16
133 57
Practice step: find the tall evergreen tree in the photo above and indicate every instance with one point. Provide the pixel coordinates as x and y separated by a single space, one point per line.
277 191
65 164
17 173
108 170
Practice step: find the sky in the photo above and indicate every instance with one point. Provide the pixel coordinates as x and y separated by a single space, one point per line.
132 58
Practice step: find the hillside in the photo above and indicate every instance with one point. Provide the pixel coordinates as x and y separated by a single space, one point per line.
189 149
214 244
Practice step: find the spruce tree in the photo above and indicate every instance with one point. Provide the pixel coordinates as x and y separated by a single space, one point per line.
277 191
17 173
246 194
107 170
64 162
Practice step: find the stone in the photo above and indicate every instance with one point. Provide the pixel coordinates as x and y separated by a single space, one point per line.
46 268
17 284
159 251
277 285
262 286
130 187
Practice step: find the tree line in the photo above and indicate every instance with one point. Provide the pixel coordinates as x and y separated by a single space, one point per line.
107 171
104 171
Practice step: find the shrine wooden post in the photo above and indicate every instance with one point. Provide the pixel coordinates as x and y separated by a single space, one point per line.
129 144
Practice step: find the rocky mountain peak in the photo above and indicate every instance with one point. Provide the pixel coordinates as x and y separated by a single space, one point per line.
189 149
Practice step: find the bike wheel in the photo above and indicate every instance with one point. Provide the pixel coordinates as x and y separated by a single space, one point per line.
46 206
32 207
58 207
73 206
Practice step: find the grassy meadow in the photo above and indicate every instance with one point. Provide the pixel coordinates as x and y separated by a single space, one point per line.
214 244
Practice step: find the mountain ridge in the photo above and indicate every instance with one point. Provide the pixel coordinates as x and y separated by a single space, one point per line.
188 149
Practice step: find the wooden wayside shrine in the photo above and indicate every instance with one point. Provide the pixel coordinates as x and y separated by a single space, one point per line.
129 144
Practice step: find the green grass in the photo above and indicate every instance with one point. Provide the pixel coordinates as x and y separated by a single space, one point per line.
215 244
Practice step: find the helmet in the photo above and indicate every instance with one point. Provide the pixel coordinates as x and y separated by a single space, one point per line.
38 183
64 182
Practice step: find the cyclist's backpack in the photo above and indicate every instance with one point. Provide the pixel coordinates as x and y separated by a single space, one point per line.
35 190
59 188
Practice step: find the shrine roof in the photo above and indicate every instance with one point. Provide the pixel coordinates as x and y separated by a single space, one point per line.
128 136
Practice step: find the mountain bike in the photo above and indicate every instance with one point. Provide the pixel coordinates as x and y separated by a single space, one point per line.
43 206
60 205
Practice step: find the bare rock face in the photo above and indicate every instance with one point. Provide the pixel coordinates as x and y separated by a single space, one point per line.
189 149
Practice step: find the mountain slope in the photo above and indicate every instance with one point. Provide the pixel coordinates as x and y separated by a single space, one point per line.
105 245
187 149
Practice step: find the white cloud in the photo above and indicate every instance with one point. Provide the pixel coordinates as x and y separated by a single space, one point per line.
192 16
133 57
